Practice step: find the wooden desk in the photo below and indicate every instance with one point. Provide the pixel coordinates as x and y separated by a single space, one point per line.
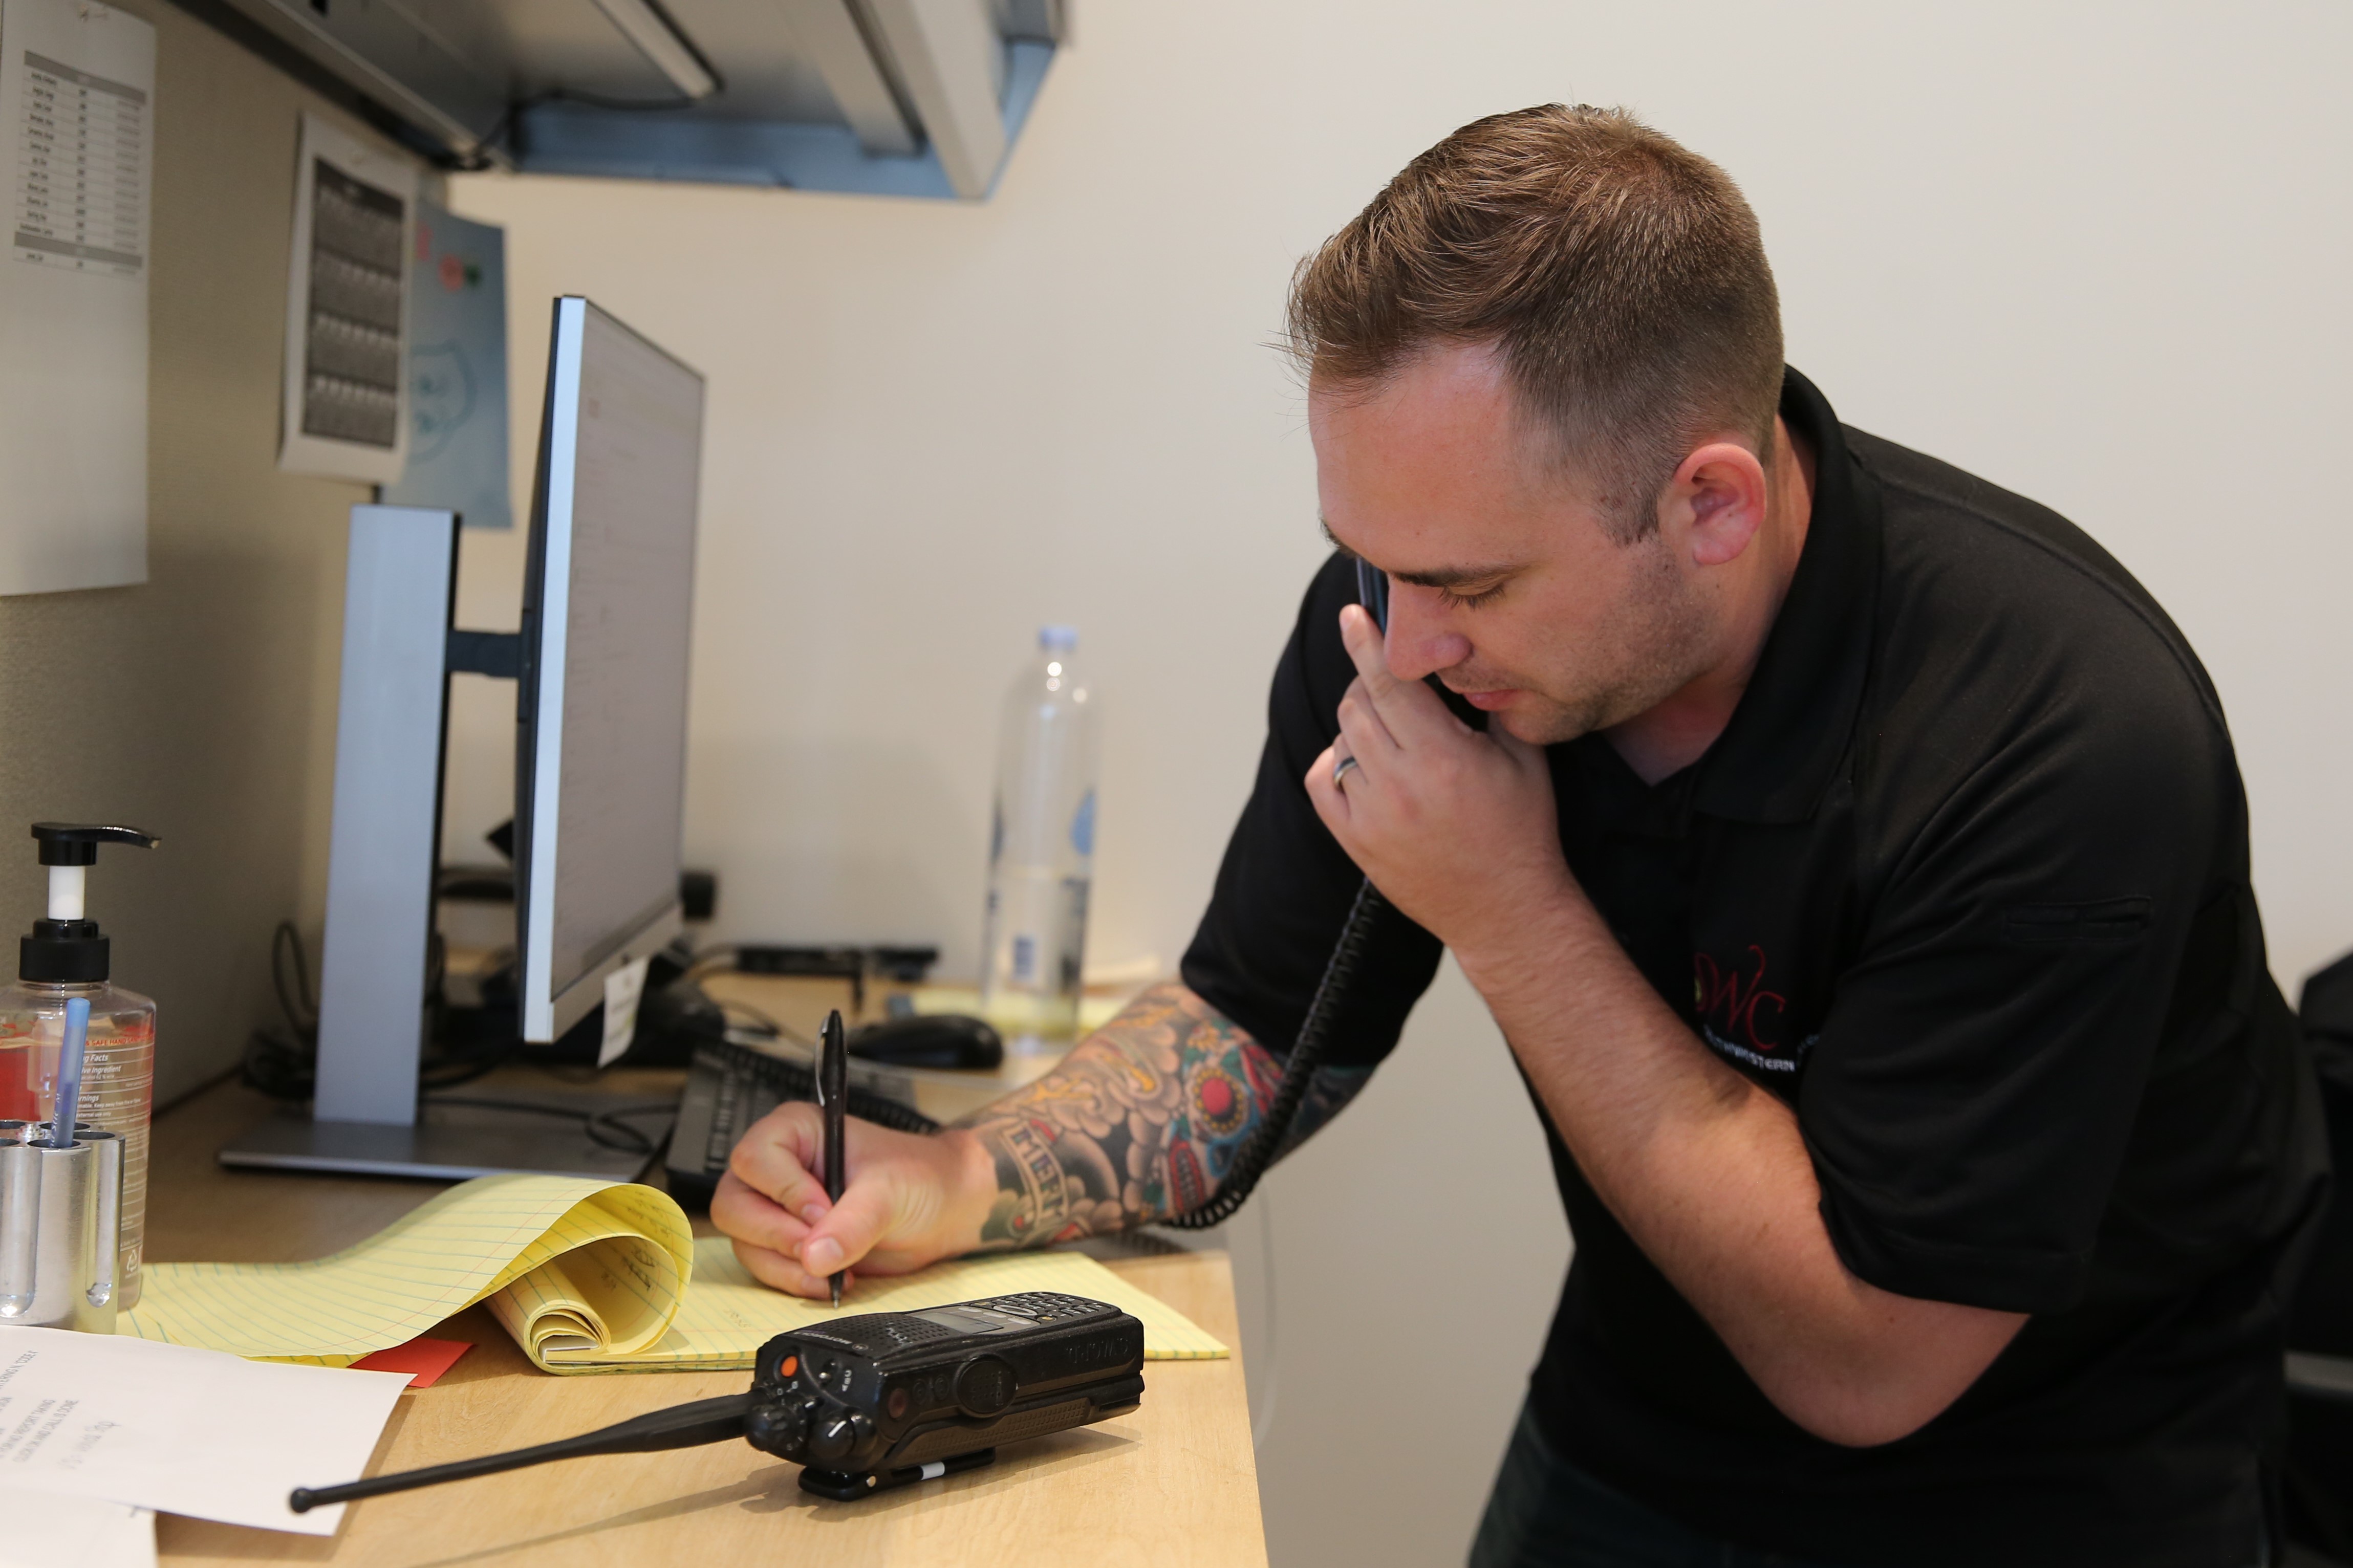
1174 1483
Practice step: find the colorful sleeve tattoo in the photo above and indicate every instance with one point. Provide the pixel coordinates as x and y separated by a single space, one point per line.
1142 1119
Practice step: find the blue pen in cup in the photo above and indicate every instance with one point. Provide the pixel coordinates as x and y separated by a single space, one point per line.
69 1060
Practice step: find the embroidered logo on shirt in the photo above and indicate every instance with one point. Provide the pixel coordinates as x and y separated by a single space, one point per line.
1741 1019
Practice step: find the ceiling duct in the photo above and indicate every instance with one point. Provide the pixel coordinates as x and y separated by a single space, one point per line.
919 98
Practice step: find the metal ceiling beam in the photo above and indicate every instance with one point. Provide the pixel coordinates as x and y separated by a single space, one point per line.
432 89
829 32
950 56
930 94
653 35
565 139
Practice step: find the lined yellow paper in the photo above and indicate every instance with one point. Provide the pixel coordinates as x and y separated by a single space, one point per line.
728 1315
626 1251
588 1277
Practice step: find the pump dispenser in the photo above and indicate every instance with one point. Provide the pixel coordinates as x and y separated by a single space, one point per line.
67 958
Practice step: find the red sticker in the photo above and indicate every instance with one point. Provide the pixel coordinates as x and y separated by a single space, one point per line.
425 1360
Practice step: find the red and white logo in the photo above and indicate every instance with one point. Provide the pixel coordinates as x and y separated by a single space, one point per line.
1740 1018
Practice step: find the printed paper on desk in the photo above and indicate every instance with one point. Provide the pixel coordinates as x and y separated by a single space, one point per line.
47 1530
184 1430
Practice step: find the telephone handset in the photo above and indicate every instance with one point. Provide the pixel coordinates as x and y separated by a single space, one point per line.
1314 1033
1373 591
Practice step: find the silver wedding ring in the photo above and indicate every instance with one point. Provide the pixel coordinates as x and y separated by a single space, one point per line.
1340 772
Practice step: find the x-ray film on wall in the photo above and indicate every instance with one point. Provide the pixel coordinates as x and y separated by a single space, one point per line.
346 413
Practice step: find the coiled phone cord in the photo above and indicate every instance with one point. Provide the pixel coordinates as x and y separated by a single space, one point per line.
1306 1056
1314 1031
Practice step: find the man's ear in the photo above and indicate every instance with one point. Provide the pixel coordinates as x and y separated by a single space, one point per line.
1715 504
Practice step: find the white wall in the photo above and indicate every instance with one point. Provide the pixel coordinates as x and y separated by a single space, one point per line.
200 704
2096 253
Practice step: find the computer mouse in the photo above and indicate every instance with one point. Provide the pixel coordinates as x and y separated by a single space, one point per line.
930 1040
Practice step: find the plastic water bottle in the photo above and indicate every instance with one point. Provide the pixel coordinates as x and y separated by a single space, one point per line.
1041 849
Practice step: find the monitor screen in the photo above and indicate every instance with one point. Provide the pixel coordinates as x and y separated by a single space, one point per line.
609 605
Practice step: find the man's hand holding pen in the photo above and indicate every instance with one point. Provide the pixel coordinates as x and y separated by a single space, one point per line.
910 1200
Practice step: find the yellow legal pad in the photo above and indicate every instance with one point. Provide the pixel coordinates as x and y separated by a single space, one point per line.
586 1276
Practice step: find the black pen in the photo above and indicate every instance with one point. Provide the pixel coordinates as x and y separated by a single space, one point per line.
833 1100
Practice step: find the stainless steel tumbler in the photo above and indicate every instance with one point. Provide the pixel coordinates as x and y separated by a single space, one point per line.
60 1227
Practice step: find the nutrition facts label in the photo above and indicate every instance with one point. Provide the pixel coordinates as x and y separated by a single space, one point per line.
81 204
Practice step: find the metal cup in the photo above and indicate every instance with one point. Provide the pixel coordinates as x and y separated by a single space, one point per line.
61 1228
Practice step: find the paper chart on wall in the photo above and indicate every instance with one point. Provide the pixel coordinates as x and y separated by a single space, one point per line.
345 414
77 101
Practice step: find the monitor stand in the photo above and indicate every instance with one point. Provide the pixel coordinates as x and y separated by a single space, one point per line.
385 843
457 1137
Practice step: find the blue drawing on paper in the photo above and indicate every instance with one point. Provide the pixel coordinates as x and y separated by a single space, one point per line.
440 397
456 371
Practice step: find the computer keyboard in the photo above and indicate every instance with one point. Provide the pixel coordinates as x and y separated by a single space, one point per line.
728 1087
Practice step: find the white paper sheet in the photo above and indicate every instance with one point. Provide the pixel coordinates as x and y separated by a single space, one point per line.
77 126
49 1530
184 1430
624 988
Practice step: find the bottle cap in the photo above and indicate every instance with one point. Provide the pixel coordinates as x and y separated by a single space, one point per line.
65 947
1058 640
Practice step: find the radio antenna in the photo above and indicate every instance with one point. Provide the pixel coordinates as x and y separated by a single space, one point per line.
680 1427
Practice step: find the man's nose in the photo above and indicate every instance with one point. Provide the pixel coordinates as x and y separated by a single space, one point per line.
1421 641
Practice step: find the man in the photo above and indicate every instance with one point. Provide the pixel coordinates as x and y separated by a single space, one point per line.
1853 856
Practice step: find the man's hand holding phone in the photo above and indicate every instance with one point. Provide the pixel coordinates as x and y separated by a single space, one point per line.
1456 827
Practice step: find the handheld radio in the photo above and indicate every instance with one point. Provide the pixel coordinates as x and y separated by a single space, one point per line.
876 1401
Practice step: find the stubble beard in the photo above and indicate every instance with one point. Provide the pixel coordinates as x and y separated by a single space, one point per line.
1651 648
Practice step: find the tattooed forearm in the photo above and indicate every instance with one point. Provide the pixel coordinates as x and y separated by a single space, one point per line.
1142 1121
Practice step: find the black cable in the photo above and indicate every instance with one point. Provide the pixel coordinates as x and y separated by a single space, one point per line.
604 1128
761 1024
503 127
288 939
284 1068
1306 1056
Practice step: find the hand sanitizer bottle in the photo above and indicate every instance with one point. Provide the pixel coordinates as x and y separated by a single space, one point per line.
66 958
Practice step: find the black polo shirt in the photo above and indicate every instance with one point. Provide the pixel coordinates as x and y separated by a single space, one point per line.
1964 882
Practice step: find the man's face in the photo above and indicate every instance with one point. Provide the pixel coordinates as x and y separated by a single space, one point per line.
1505 583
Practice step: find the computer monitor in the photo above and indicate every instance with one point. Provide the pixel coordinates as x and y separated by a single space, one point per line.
601 668
609 602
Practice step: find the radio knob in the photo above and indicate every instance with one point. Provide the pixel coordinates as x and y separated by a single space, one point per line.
831 1443
778 1429
838 1437
984 1386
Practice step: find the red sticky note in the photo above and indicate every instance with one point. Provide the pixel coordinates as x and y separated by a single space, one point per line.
425 1360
